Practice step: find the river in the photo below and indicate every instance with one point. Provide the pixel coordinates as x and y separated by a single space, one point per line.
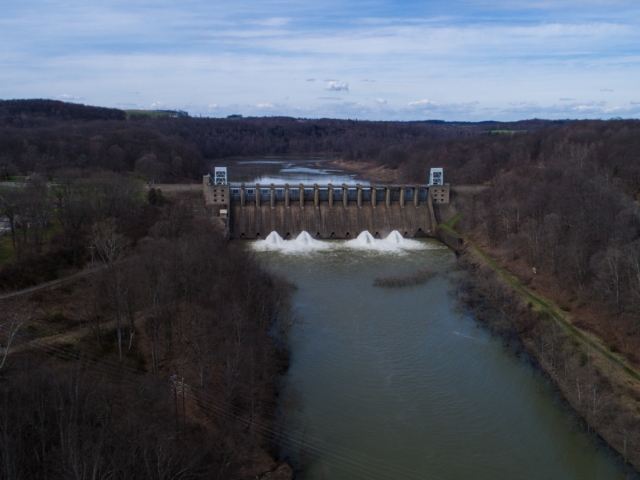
401 383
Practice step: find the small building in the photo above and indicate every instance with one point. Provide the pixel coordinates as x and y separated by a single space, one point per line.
436 177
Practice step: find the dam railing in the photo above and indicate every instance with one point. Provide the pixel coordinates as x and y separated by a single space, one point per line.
257 194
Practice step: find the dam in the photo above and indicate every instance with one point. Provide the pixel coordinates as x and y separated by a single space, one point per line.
325 210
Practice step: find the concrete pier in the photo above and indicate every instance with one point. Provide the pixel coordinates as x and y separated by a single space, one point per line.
286 195
330 196
345 195
301 195
272 197
374 194
257 195
316 195
359 187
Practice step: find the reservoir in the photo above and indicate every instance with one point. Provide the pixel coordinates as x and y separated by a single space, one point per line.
402 383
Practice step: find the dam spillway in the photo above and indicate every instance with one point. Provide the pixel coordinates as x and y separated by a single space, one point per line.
326 211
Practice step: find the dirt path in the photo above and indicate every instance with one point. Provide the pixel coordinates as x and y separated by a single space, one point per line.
52 283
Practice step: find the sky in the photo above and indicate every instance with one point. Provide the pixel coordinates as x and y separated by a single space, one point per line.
464 60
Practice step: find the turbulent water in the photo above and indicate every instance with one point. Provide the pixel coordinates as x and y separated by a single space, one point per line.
304 244
399 383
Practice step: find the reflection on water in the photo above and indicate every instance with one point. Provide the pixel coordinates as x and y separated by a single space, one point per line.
281 170
397 383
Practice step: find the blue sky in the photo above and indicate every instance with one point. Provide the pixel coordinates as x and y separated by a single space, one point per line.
379 60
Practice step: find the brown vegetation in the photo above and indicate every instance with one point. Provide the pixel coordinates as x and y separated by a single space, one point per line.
164 364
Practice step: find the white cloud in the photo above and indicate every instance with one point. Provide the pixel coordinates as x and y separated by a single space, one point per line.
381 101
265 106
157 105
335 86
274 22
213 106
67 97
311 79
422 104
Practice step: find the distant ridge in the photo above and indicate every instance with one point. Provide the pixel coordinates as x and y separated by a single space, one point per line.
19 111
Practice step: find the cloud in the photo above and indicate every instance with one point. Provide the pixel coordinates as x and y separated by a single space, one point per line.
381 101
267 106
606 90
157 105
335 86
274 22
422 104
329 98
566 99
67 97
311 79
213 106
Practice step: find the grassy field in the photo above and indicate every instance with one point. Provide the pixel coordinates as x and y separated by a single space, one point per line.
6 248
502 132
148 113
17 178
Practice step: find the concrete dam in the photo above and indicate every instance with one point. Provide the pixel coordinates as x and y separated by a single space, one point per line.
326 211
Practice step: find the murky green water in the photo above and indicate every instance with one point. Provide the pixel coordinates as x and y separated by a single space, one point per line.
399 384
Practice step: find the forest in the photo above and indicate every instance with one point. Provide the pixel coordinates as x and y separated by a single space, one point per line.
174 308
45 136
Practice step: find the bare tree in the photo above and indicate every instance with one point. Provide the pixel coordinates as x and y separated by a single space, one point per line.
14 319
111 247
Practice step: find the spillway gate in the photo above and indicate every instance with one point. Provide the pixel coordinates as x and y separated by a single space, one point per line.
325 211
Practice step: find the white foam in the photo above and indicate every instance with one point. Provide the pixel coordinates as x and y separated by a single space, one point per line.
305 243
393 243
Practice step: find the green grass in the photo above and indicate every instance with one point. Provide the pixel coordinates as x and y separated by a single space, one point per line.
6 248
545 306
6 245
448 225
502 132
16 178
147 113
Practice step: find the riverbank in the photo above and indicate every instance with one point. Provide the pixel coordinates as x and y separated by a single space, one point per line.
370 171
600 387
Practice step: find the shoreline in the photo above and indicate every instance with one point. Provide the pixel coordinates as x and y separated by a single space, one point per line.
604 403
370 171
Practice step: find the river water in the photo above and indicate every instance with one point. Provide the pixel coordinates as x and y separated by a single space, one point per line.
401 383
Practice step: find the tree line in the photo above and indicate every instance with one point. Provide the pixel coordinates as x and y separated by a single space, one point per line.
44 136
